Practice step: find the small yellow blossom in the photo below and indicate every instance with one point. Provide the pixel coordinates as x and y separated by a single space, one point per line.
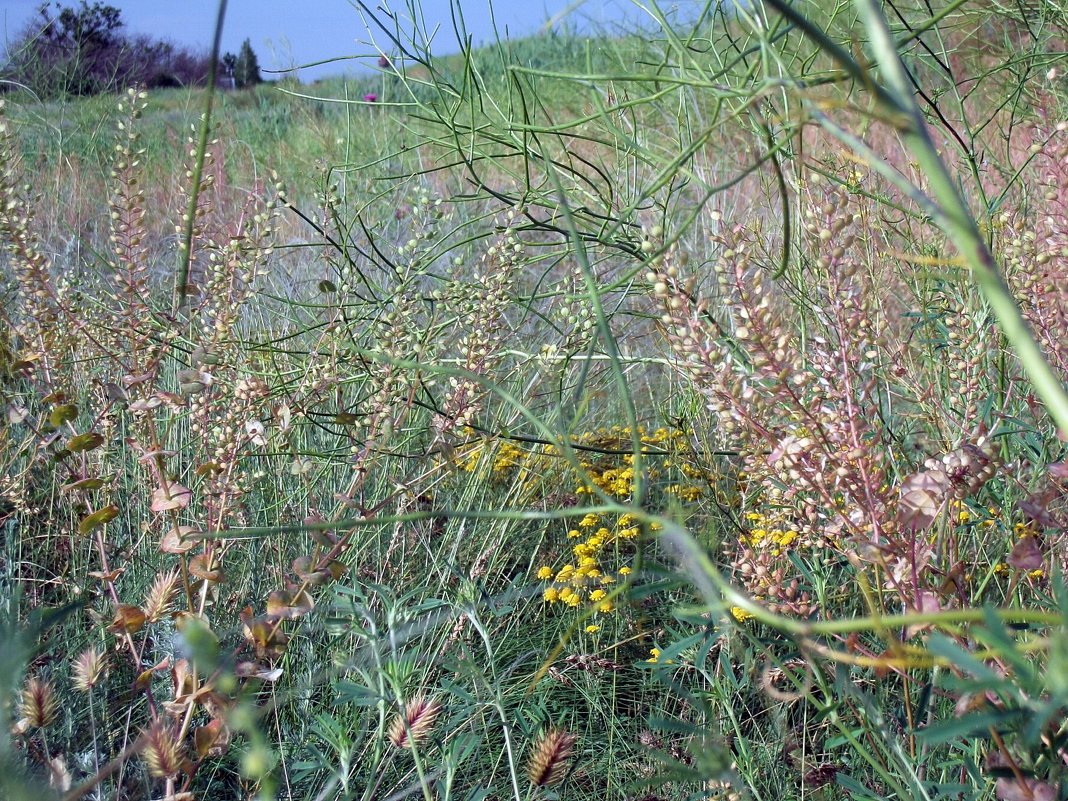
545 573
597 595
655 658
551 595
592 629
740 614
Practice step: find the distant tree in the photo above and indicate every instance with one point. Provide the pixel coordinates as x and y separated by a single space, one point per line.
70 52
84 49
247 67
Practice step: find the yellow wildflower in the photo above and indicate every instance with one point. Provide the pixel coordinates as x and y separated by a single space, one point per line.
740 614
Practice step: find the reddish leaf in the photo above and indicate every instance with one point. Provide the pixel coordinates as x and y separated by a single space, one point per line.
1026 554
174 496
922 497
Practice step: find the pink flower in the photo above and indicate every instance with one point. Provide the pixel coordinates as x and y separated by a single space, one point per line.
370 97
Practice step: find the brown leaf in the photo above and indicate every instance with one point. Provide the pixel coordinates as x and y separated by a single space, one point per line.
205 568
128 618
146 404
110 575
289 605
211 740
1026 554
178 540
1011 789
1036 508
174 496
922 497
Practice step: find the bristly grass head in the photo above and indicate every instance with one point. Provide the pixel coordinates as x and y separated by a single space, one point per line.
548 762
88 670
162 753
411 729
38 705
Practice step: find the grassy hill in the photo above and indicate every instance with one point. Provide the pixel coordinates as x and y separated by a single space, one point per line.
676 416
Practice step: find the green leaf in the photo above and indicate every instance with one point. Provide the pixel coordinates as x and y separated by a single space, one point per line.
84 484
976 725
61 414
85 442
98 518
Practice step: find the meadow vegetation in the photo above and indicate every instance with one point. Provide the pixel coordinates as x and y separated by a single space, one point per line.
650 417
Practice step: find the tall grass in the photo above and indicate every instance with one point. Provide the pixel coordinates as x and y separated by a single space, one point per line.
653 417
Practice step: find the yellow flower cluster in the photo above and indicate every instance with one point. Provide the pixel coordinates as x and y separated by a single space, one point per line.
506 457
602 545
740 614
962 515
585 579
768 532
614 474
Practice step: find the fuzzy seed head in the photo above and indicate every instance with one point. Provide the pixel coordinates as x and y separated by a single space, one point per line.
88 670
411 729
548 761
160 595
162 754
38 704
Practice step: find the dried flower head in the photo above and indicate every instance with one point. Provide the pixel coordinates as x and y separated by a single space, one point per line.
88 670
162 754
548 761
160 595
38 705
412 728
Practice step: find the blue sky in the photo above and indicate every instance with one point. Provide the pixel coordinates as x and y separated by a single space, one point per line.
292 32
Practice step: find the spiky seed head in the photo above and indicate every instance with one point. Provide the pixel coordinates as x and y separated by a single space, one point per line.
38 704
411 729
160 595
162 754
548 761
88 670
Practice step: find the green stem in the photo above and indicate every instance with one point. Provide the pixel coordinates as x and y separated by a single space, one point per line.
185 252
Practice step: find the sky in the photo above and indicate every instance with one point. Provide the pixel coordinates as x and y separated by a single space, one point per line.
285 33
